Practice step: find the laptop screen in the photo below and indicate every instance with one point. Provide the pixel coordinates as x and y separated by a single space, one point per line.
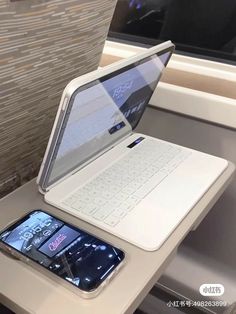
104 111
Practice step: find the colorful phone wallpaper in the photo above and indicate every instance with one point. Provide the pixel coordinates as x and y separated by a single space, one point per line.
65 250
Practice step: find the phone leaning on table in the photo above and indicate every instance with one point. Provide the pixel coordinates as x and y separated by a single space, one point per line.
73 256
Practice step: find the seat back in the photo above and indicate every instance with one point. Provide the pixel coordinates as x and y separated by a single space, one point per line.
44 44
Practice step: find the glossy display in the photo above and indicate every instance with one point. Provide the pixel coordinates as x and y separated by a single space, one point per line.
103 111
72 254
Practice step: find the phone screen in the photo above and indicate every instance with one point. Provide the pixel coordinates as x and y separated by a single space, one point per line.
74 255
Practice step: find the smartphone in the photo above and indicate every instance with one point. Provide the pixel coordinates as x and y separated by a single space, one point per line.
72 255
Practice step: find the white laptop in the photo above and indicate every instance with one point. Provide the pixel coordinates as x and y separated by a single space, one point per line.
98 169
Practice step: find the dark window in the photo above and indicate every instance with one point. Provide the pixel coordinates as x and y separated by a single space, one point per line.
206 28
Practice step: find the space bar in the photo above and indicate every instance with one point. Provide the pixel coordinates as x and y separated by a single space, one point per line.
150 184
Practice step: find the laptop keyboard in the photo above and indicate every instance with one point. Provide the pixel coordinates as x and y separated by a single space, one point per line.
113 194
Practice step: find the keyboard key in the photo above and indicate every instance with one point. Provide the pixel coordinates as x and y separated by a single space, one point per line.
152 169
78 205
141 179
102 213
85 198
131 187
127 206
135 185
114 202
107 194
99 201
119 212
133 200
89 209
114 189
112 220
121 197
147 174
119 184
128 190
94 193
